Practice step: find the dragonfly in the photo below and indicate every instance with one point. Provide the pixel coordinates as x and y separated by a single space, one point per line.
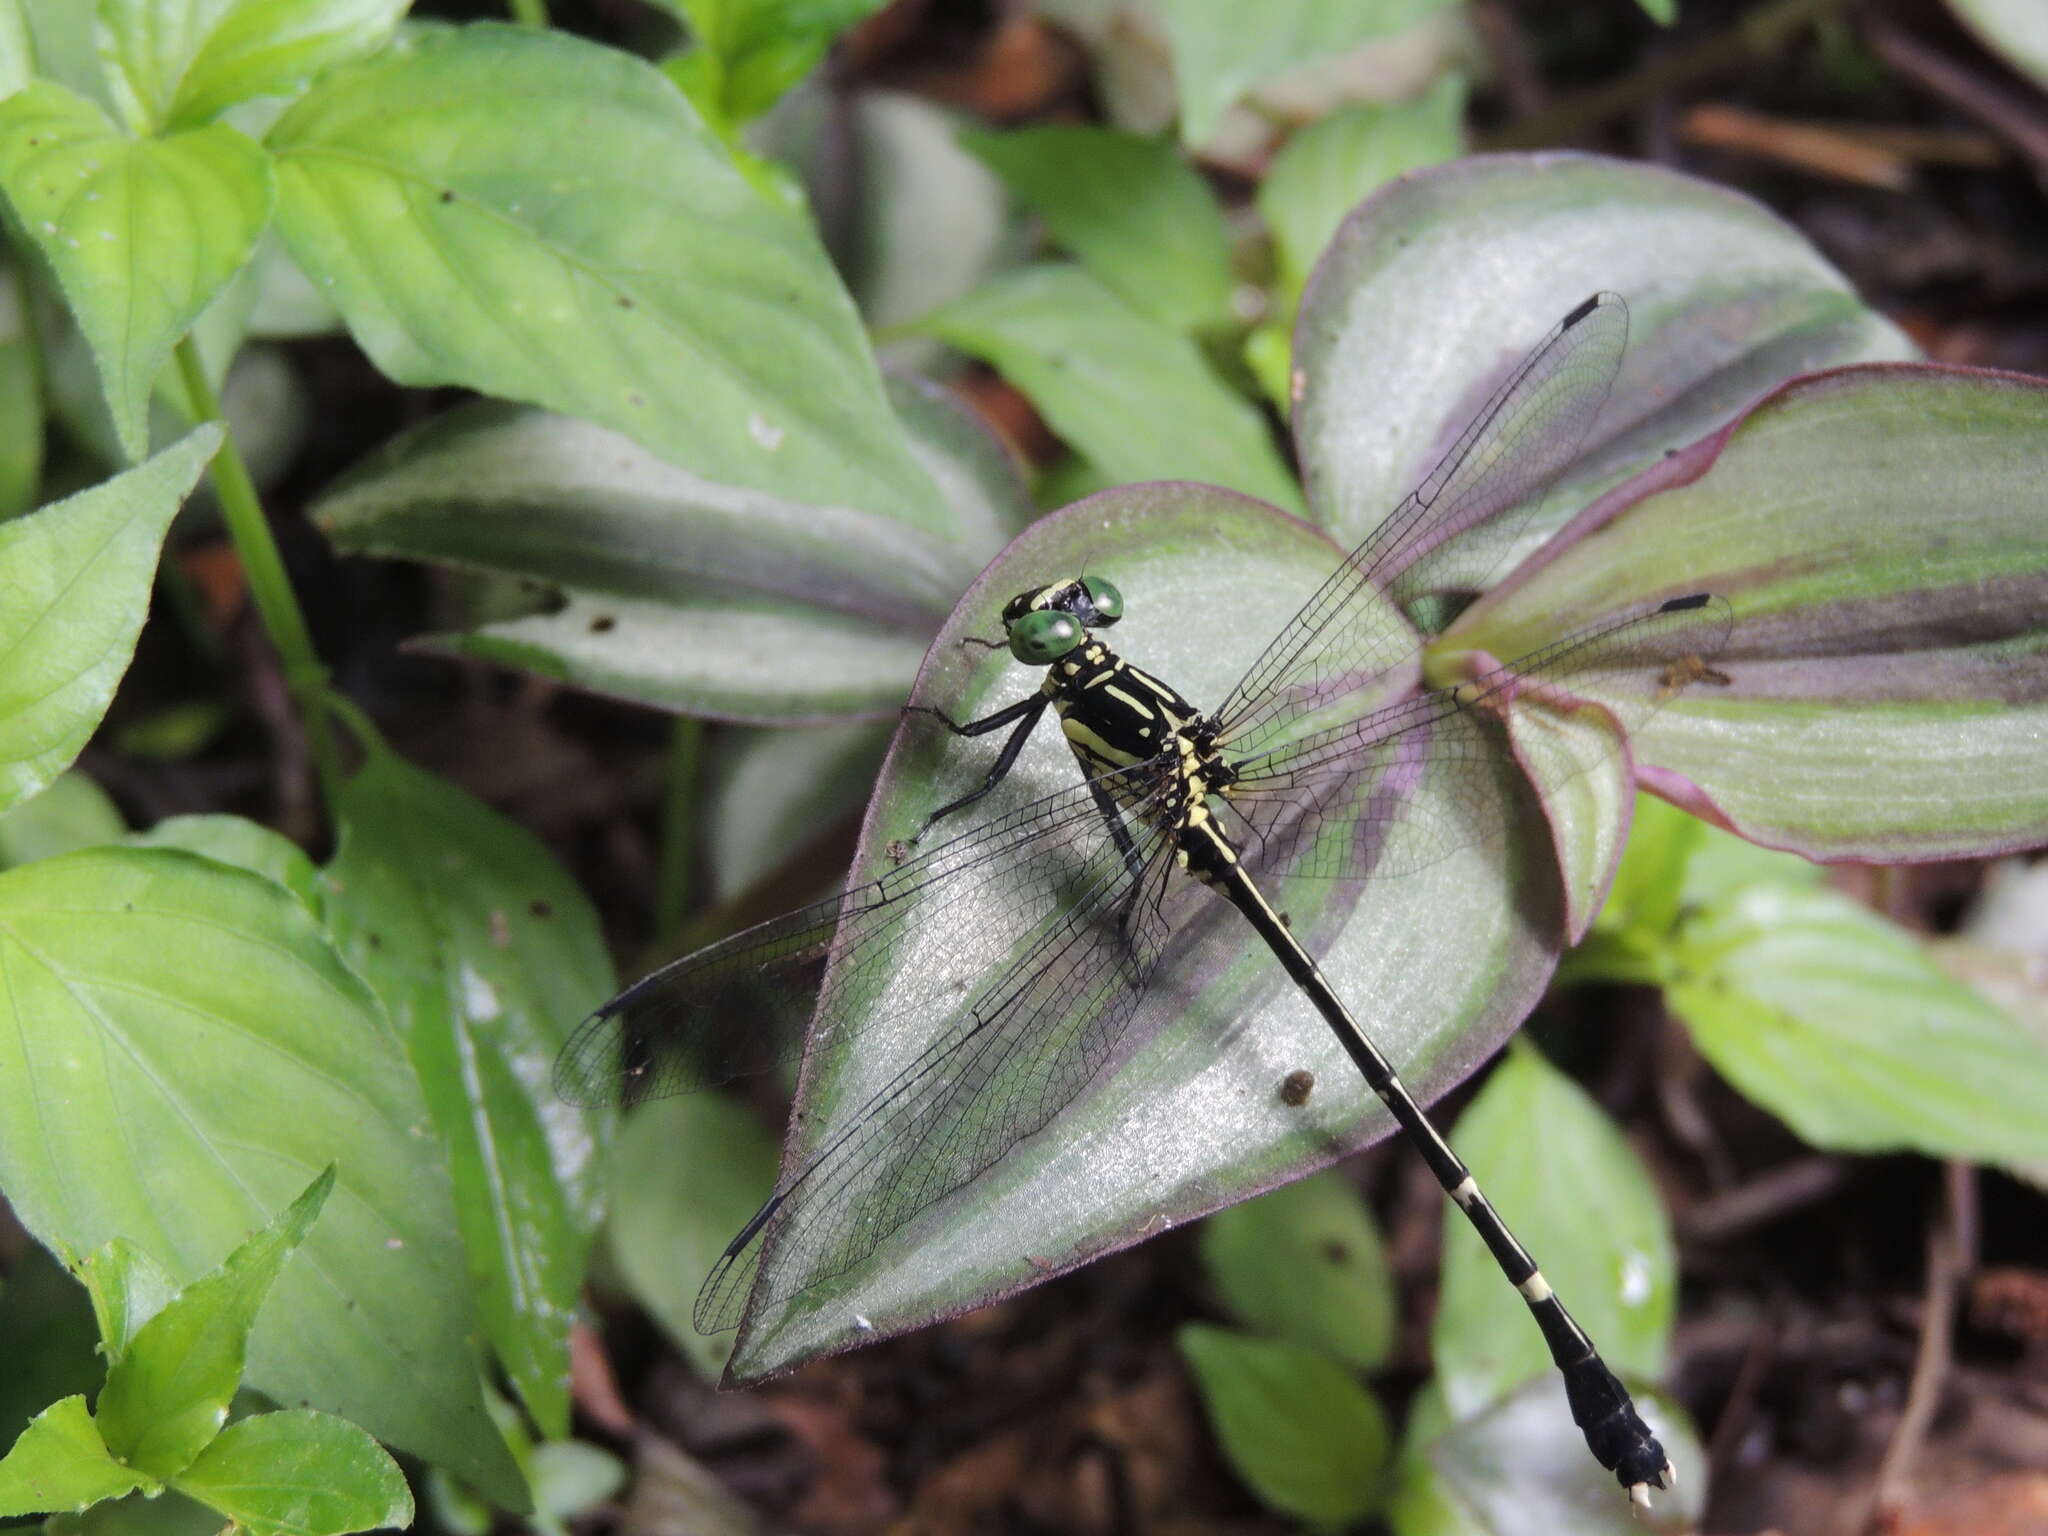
1038 935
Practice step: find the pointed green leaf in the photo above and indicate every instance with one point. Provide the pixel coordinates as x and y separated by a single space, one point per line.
1190 1116
758 49
1135 396
1440 285
167 1394
1131 208
1837 1022
1329 167
666 1232
1567 1184
1305 1436
128 1288
73 812
681 593
61 1463
1882 539
1217 57
1305 1263
142 234
485 954
177 1105
175 63
595 252
299 1473
77 577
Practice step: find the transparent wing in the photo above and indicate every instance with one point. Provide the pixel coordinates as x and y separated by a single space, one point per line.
740 1006
1400 788
1034 1032
1527 434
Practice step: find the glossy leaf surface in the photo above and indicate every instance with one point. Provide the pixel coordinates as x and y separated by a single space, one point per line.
204 1096
142 234
300 1473
1881 536
243 843
60 1463
1138 216
72 812
484 953
77 576
675 591
1133 395
1569 1187
174 63
1838 1023
1191 1117
597 253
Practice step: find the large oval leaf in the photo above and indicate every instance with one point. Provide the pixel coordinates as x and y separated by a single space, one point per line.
142 234
1440 965
485 953
677 591
1440 283
1882 536
76 575
181 1050
596 252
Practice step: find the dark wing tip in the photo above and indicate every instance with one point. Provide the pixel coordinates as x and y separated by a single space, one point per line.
1586 306
1687 604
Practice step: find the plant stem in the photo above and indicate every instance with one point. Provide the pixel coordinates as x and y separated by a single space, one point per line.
532 13
679 824
263 566
1756 34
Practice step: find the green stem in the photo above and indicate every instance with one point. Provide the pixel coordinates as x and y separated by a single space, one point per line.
1758 34
264 567
679 824
532 13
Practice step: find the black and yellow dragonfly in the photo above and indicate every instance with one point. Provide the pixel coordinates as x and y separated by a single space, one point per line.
1039 933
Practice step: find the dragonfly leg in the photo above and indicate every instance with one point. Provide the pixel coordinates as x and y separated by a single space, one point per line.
1025 713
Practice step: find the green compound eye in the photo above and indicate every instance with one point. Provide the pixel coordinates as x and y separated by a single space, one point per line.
1042 637
1109 603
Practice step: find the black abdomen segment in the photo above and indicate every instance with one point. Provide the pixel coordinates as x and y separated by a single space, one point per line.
1601 1406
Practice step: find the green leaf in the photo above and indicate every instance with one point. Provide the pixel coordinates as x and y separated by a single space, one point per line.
21 397
167 1393
2013 29
61 32
1133 395
1439 969
242 843
1662 12
572 1477
175 1106
485 953
754 50
1305 1263
773 792
1217 57
1423 302
595 253
128 1288
61 1463
142 234
1837 1022
176 63
72 812
1138 215
299 1473
17 50
1881 538
666 1232
52 1343
1329 167
1520 1468
1567 1184
675 591
77 577
1304 1436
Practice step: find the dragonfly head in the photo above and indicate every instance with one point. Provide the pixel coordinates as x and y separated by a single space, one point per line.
1047 622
